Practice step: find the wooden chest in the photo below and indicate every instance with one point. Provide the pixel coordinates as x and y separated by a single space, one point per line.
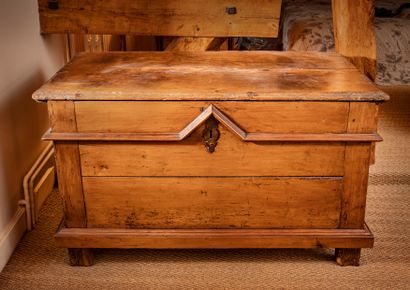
212 150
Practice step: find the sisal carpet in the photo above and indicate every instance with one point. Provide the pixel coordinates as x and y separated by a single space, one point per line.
37 264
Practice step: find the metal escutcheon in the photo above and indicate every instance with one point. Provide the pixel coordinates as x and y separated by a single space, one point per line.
210 135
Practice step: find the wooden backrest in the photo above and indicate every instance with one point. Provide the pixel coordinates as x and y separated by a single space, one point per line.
352 21
195 18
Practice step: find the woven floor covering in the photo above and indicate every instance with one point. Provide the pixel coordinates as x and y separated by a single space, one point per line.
38 264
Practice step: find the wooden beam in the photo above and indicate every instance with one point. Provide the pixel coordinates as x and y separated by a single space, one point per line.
354 33
212 18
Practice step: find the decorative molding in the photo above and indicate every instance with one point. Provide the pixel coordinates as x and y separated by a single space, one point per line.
210 111
212 238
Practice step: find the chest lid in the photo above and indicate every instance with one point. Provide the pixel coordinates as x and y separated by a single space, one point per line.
229 75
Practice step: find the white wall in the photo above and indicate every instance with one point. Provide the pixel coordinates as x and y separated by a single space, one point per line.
27 60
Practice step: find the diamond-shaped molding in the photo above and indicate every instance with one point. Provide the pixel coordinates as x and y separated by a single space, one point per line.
210 111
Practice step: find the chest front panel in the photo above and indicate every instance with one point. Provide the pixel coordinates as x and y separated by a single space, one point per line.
146 180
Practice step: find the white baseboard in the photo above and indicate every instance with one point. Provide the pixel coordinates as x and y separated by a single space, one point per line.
11 236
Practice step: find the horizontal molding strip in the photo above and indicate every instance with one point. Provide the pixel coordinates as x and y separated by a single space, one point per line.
210 111
251 137
213 238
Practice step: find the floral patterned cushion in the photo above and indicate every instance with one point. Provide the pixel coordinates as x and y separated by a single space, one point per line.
307 26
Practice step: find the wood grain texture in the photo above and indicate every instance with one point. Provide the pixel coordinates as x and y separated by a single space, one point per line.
204 203
173 117
70 183
356 176
232 157
229 76
62 117
161 121
195 44
140 43
248 137
214 239
353 25
362 118
170 17
373 154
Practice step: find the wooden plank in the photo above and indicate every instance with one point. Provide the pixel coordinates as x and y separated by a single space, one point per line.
205 202
172 117
355 185
195 44
162 18
70 184
232 157
75 44
140 43
362 119
78 43
113 42
214 239
353 25
366 118
229 76
62 117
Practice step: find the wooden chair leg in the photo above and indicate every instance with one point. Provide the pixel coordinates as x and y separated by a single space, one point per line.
80 257
348 257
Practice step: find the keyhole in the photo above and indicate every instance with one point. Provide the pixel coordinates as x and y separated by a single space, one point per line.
210 135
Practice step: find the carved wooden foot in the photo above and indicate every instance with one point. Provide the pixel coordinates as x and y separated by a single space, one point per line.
81 257
348 257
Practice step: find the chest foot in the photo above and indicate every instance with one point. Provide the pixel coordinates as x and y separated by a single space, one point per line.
80 257
348 257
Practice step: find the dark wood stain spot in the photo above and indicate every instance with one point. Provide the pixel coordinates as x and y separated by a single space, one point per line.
287 81
131 221
152 214
285 60
103 167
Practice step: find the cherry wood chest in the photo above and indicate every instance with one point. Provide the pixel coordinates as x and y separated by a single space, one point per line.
212 150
